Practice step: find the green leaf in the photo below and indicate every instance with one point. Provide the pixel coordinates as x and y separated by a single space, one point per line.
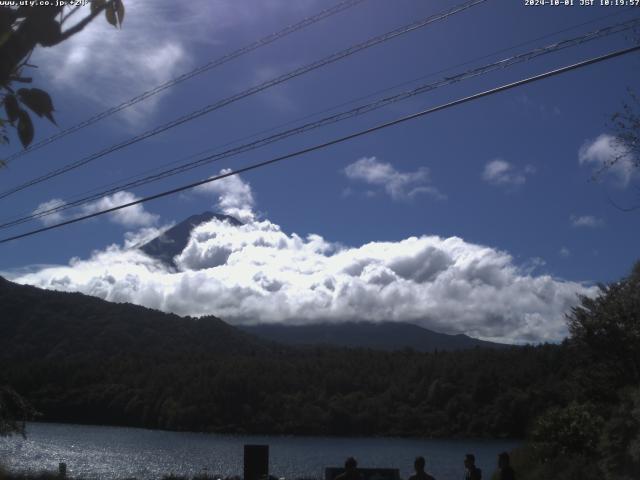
38 101
25 128
11 107
110 15
49 33
4 36
120 11
115 13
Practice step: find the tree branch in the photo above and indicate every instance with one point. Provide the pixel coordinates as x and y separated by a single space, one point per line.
78 27
66 17
622 209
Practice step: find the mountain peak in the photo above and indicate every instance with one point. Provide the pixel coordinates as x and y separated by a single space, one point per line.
173 241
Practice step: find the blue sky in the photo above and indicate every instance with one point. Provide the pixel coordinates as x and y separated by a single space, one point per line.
510 173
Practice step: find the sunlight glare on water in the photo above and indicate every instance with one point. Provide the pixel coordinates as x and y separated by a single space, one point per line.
95 452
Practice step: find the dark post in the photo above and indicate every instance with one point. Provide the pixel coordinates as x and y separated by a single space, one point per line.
256 461
62 470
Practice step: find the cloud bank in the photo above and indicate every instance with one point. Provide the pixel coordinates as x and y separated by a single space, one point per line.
259 273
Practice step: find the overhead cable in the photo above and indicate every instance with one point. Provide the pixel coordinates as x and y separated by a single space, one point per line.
336 141
359 110
188 75
250 91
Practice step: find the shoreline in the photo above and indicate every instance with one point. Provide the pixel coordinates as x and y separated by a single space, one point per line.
281 435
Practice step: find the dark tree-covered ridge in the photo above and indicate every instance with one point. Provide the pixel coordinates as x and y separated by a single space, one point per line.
81 359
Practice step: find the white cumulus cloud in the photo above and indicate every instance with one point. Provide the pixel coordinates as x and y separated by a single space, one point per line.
234 196
606 155
133 216
108 65
588 221
502 173
51 217
398 185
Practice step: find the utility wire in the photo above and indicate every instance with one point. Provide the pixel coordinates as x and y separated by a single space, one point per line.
332 108
342 104
336 141
344 5
251 91
360 110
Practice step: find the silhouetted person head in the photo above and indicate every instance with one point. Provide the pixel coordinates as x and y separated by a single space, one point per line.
350 470
472 472
469 460
419 465
350 464
505 472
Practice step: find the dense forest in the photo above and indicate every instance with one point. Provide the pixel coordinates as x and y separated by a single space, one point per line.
80 359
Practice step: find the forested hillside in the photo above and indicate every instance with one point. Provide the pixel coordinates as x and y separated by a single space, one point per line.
80 359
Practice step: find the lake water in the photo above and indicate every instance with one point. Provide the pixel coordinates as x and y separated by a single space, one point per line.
115 452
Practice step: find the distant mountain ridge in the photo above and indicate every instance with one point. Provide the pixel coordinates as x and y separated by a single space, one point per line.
375 335
51 321
44 323
172 242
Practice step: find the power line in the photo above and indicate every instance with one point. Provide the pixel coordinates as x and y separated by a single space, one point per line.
251 91
334 107
344 5
364 97
360 110
345 138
